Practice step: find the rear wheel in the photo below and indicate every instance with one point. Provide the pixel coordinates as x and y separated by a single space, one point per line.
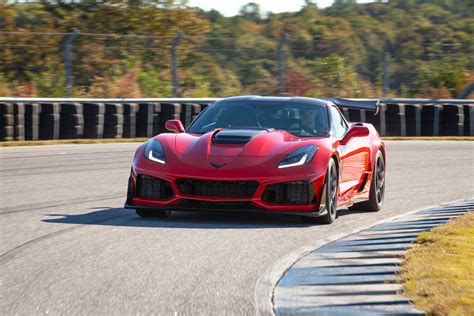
329 196
377 188
150 213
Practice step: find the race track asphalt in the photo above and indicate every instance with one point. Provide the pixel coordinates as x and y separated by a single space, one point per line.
68 247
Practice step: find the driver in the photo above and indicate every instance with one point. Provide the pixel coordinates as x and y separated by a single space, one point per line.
308 118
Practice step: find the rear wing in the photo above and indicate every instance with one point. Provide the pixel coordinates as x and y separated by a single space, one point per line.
360 104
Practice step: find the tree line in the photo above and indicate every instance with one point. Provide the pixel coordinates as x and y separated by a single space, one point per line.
403 48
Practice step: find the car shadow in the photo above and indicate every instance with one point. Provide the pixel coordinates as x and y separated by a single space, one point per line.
203 220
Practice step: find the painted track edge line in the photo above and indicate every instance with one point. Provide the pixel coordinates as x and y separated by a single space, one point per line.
266 284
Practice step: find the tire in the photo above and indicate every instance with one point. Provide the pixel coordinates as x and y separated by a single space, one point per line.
71 109
7 119
113 109
72 119
150 213
113 131
377 188
7 131
93 108
93 131
97 119
6 108
114 119
330 196
71 132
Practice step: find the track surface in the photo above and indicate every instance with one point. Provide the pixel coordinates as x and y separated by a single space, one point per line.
68 247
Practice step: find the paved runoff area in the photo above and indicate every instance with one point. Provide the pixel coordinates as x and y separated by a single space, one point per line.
357 275
68 246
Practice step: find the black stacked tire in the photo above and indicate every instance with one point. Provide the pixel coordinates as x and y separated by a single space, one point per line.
392 120
373 119
93 120
169 111
412 111
71 121
428 119
6 122
19 121
452 120
32 113
355 115
468 120
49 121
113 124
129 120
148 119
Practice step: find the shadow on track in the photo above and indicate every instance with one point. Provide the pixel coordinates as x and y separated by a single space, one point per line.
204 220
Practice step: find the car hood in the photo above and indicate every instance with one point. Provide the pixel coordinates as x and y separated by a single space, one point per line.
234 143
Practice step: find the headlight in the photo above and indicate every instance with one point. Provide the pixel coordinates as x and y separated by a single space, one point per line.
299 157
154 151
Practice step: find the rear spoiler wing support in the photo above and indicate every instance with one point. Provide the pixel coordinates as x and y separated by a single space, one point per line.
360 104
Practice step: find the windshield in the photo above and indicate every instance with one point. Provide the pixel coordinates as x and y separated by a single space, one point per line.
298 119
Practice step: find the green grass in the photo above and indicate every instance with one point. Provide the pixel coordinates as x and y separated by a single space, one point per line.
438 273
134 140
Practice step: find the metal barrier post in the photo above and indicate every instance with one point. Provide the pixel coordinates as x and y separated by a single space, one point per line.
68 60
436 121
403 122
383 127
174 64
385 56
281 65
418 120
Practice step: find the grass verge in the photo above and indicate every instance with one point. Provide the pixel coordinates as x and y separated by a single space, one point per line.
438 272
134 140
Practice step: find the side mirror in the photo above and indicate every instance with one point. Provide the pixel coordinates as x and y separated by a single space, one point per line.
355 131
174 126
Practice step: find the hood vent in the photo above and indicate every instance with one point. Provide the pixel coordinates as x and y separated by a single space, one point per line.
236 136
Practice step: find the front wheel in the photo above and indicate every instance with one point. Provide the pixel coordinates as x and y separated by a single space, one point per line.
150 213
329 197
377 188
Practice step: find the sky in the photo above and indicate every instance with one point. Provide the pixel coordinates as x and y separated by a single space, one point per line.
232 7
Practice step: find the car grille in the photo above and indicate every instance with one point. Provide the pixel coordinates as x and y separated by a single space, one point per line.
295 192
217 188
216 206
153 188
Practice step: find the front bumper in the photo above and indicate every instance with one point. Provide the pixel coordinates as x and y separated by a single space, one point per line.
258 202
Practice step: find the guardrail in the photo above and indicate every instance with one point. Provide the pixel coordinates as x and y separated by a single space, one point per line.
56 118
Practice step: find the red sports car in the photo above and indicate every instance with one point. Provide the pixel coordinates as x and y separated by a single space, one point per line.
270 154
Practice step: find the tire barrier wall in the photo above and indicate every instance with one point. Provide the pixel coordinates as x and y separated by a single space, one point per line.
43 119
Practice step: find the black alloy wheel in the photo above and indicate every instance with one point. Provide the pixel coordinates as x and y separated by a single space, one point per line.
329 196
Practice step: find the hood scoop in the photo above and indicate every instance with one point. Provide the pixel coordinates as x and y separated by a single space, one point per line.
236 136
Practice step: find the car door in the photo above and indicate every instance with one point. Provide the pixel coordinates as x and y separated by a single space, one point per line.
353 156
